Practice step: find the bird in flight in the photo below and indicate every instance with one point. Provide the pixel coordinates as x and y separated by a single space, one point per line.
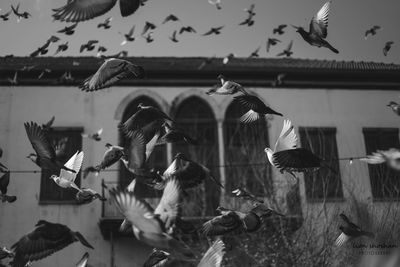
173 37
81 10
170 17
255 53
89 46
216 3
214 30
46 239
149 37
45 156
24 15
288 51
271 42
391 157
66 179
129 36
387 47
62 48
110 72
148 27
95 136
350 231
69 30
227 87
5 16
279 29
372 31
395 107
249 21
318 29
189 29
257 108
106 24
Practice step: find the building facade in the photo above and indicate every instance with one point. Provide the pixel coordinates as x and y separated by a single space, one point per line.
338 110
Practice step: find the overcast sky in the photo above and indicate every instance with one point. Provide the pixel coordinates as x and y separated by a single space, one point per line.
348 21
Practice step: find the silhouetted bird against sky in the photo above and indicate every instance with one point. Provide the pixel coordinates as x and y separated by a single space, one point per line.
227 87
129 36
271 42
170 17
255 53
350 231
279 29
66 179
388 46
216 3
45 156
105 24
372 31
110 72
81 10
19 15
112 155
288 51
250 10
257 108
46 239
149 37
216 31
69 30
148 27
62 48
101 50
287 158
395 107
318 29
248 21
46 126
41 50
5 16
83 261
89 46
173 37
390 156
189 29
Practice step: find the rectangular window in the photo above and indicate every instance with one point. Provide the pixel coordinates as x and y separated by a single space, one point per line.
326 182
385 182
66 141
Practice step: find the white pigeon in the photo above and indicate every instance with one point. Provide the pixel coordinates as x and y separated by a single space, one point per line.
391 157
286 140
66 178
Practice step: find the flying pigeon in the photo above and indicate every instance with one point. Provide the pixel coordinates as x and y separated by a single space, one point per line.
187 29
45 156
372 31
61 48
287 158
227 87
81 10
46 239
391 157
5 16
95 136
174 135
148 26
388 46
89 46
173 37
395 107
279 29
214 30
67 179
69 30
170 17
228 58
110 72
149 37
129 36
318 29
112 155
255 53
288 51
250 10
271 42
87 195
350 231
83 261
24 15
105 24
41 50
216 3
257 108
249 21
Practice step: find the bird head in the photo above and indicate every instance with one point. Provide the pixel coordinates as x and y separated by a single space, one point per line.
268 151
32 157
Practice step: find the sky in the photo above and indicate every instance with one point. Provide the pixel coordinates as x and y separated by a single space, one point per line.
348 21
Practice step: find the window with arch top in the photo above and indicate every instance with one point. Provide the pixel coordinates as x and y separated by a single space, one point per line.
194 116
157 160
246 165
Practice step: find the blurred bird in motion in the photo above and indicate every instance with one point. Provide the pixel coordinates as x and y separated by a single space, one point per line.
112 155
5 16
318 29
228 58
174 135
173 37
255 53
388 46
391 157
148 27
288 51
350 231
61 48
372 31
271 42
170 17
87 195
257 108
188 29
89 46
279 29
69 30
216 3
395 107
106 24
81 10
214 30
19 15
95 136
14 79
129 36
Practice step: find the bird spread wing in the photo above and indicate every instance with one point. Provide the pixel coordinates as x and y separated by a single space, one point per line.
169 203
128 7
74 163
138 212
287 139
222 224
213 256
39 141
81 10
137 156
319 23
249 101
172 168
298 158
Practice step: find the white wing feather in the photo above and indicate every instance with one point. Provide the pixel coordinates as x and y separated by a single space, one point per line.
213 256
287 139
169 203
74 163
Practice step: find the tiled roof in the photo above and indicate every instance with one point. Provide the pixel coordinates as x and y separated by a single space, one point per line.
185 71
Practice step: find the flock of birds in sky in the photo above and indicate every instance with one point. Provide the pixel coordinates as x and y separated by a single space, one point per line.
150 127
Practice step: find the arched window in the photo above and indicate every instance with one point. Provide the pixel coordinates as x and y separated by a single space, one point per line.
157 160
196 118
246 163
